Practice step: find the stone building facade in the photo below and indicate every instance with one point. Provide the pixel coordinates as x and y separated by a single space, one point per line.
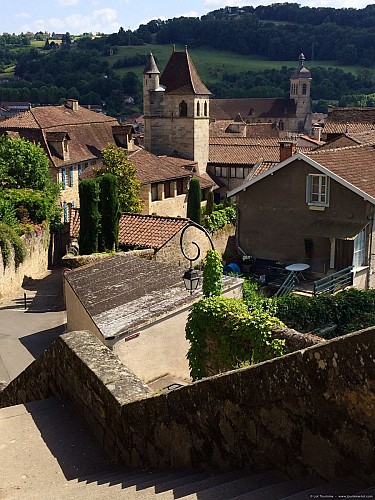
176 110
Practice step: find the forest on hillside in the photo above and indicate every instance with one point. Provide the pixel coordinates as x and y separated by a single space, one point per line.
81 67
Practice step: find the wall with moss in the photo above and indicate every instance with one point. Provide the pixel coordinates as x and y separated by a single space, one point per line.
34 265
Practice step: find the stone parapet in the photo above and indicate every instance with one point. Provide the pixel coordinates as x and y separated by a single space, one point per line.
311 411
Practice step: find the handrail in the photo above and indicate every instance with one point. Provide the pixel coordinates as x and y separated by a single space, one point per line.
287 285
334 282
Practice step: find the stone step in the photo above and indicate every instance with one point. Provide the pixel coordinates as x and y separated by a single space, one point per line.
334 488
280 490
226 488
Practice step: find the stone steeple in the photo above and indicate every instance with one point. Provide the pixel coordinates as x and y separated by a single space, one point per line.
300 83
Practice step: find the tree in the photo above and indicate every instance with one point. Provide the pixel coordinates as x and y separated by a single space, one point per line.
116 162
194 201
24 164
110 213
89 216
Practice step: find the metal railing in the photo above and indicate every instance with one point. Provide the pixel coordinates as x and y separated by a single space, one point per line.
287 286
334 282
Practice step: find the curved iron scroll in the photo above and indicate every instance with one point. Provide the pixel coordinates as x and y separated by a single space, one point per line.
204 230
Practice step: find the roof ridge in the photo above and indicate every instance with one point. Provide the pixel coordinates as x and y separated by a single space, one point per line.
150 216
342 148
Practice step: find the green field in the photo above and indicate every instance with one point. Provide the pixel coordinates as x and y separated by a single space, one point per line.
211 64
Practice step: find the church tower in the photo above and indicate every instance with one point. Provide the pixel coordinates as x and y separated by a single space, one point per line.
300 83
176 110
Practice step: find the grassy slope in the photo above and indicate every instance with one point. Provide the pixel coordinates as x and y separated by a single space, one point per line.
212 63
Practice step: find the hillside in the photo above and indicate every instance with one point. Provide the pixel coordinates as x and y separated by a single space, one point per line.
239 52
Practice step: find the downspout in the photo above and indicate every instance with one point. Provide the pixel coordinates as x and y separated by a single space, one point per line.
368 276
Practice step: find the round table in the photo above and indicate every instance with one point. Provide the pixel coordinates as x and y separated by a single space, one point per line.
298 268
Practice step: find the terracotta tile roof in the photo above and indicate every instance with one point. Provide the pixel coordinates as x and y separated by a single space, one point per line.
242 155
143 231
180 76
222 128
353 164
252 108
89 132
351 120
205 181
148 231
152 168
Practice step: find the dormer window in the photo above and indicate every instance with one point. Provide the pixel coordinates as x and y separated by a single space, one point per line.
183 108
317 190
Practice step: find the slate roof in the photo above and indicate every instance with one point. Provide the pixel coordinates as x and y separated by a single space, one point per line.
252 108
151 66
124 293
180 76
89 132
143 231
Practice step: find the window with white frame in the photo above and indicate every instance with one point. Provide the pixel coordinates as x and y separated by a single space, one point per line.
359 252
317 190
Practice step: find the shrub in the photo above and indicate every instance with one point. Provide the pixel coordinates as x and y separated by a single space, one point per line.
224 335
220 218
9 239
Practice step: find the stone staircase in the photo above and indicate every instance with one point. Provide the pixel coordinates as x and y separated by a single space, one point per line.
48 453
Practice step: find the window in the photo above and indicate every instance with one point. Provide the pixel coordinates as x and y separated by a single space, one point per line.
86 164
180 186
71 180
304 89
183 108
281 125
198 109
79 169
66 213
154 192
359 252
317 192
167 190
63 178
205 108
237 172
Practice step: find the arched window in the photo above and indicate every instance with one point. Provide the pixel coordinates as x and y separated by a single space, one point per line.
304 89
183 108
198 109
205 108
281 125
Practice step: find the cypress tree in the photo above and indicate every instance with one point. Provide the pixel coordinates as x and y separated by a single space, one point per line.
89 216
210 203
194 201
109 209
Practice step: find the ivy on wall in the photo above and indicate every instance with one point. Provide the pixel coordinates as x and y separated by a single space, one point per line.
9 239
212 274
224 335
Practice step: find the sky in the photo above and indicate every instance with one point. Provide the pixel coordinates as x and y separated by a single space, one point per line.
107 16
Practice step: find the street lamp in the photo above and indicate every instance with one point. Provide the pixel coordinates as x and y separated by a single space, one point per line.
191 276
191 280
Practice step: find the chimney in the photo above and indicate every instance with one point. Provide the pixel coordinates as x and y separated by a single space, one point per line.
317 131
72 104
287 148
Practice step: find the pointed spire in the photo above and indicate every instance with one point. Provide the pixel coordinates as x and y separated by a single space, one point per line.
151 66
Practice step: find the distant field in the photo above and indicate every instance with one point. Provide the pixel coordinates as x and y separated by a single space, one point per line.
211 64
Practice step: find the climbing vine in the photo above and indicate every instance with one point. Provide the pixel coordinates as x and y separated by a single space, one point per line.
212 274
224 335
9 239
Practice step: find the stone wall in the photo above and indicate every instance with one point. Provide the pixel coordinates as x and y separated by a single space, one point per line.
311 411
34 265
171 252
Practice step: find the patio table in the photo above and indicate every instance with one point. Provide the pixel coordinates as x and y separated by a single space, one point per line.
298 269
